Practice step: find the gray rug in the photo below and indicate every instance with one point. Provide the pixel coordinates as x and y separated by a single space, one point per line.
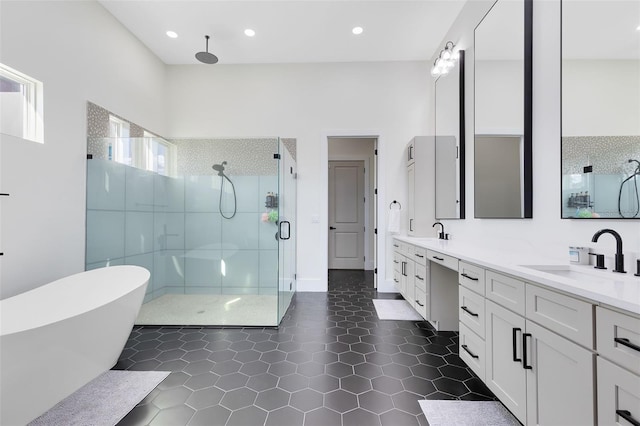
467 413
395 310
104 401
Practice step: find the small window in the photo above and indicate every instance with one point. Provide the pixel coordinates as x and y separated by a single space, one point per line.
20 105
121 150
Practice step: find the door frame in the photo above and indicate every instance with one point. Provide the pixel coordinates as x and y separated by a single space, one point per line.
381 214
368 260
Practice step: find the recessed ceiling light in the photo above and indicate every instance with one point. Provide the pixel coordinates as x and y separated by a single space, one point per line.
172 34
249 32
357 30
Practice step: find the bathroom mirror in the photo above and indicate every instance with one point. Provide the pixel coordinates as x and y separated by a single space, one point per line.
503 181
601 109
449 142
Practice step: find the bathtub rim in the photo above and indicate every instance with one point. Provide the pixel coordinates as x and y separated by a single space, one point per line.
108 284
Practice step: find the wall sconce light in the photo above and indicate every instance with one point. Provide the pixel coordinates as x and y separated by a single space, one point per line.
445 61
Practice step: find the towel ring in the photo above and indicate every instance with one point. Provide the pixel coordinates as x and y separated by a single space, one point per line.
395 202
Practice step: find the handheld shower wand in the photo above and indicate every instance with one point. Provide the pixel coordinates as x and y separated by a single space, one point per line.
633 176
220 169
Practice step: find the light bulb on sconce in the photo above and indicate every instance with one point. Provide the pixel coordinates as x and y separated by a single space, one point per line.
446 60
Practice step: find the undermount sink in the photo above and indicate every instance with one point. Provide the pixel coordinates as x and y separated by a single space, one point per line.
579 273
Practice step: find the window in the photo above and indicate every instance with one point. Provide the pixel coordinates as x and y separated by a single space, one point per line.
20 105
120 149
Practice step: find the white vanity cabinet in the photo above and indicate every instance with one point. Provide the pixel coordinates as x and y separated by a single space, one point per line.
618 345
421 186
403 270
538 348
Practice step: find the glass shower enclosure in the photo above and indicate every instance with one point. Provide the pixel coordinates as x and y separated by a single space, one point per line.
213 220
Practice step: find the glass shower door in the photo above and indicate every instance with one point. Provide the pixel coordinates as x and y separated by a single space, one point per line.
287 225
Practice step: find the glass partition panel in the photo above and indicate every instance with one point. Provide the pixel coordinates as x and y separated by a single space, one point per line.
200 214
287 225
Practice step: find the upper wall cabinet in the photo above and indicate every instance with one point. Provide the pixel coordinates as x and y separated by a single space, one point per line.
601 109
503 179
450 148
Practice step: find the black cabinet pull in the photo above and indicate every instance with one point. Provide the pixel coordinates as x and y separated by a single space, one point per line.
464 308
395 280
627 343
420 304
419 255
625 414
410 224
395 261
396 246
3 194
469 277
471 354
524 352
515 345
419 277
404 265
438 258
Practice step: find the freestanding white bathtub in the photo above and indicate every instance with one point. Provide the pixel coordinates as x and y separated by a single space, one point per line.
56 338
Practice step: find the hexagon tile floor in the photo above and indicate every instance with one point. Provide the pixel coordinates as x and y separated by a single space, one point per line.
331 363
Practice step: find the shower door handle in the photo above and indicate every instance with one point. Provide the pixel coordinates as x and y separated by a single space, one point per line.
288 230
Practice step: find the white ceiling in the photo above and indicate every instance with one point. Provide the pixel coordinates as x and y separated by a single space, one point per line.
295 31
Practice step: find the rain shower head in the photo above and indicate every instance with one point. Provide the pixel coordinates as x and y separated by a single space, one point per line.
206 57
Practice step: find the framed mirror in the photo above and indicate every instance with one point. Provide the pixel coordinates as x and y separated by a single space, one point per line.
449 142
601 109
503 174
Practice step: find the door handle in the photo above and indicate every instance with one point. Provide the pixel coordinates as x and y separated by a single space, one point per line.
524 352
515 345
332 227
626 414
288 230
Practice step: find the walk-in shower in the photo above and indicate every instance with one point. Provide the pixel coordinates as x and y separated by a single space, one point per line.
201 229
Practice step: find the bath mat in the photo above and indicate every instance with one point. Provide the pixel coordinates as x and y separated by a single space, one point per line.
467 413
103 401
396 310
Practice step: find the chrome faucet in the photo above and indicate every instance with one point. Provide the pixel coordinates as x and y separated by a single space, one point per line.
441 235
619 258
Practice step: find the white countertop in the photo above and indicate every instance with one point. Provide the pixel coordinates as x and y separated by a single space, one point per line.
621 291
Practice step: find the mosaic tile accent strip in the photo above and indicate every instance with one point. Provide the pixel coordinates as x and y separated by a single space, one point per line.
607 154
244 157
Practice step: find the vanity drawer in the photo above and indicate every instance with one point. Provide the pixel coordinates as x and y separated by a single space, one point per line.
506 291
471 276
408 250
472 350
443 259
420 254
421 277
421 304
613 325
396 280
567 316
397 262
397 246
618 393
471 310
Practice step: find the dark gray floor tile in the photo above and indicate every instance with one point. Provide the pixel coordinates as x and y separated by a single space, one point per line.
340 401
387 385
173 380
375 401
247 416
324 383
204 398
254 368
355 384
272 399
211 416
232 381
293 382
306 400
171 397
407 402
262 382
285 416
398 418
322 417
140 415
239 398
360 417
174 416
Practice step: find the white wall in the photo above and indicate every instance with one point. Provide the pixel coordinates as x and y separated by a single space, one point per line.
80 53
309 102
615 85
546 231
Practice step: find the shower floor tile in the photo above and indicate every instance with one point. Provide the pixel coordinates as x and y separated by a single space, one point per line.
210 309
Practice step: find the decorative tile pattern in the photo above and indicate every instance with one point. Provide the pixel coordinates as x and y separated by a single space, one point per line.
607 154
331 362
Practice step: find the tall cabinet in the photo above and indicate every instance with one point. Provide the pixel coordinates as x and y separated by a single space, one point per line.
421 186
